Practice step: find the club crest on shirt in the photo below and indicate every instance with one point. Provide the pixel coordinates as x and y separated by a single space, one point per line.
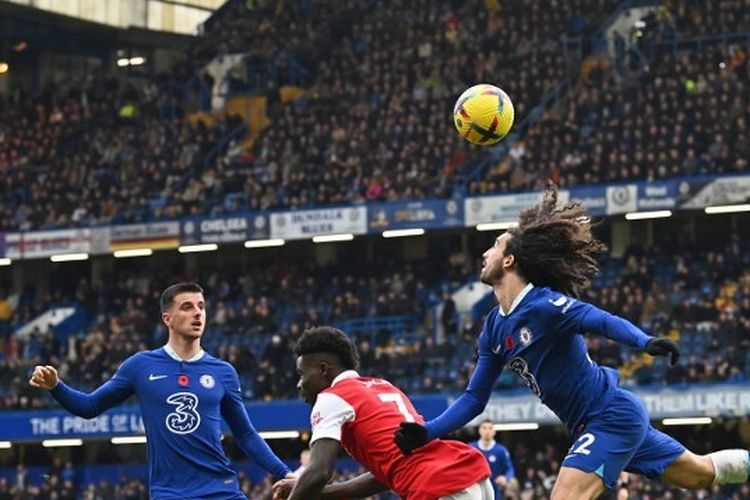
525 336
207 381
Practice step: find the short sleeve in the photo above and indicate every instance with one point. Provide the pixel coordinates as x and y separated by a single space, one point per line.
329 415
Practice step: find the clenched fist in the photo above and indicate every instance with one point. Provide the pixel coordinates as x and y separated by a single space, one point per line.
44 377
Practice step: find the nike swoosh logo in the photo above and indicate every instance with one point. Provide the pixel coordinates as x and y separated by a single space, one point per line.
559 302
156 377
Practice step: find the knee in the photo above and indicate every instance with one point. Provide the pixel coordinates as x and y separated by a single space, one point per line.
573 492
701 474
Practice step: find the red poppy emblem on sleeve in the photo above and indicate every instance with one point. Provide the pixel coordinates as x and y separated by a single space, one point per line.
183 380
509 343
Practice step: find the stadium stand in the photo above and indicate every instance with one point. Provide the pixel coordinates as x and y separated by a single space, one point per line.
700 297
356 96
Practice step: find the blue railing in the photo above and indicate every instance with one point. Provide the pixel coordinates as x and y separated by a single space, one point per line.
678 44
212 154
372 325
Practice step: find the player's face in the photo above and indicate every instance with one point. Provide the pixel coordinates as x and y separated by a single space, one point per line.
487 431
187 317
494 259
311 378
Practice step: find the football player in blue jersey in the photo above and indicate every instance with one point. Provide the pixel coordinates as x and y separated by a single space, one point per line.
537 270
183 394
497 457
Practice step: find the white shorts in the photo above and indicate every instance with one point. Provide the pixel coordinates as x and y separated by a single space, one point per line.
478 491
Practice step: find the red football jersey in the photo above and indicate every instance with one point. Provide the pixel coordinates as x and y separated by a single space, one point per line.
364 413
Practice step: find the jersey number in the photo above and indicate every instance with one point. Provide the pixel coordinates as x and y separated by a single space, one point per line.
519 366
185 417
586 440
394 397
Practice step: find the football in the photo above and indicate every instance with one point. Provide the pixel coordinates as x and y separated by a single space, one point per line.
483 114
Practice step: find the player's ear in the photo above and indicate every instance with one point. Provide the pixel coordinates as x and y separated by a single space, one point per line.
325 367
509 260
165 317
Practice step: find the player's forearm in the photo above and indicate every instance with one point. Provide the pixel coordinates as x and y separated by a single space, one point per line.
460 413
472 401
310 484
364 485
256 448
614 328
76 402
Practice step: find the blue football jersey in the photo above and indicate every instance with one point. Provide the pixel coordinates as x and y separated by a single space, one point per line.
182 404
540 339
500 463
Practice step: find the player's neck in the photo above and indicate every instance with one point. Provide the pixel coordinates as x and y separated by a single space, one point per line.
486 444
185 348
506 291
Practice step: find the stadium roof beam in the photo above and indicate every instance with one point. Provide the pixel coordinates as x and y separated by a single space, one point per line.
69 257
517 426
727 209
687 421
58 443
128 440
656 214
206 247
330 238
273 242
496 226
279 434
133 252
401 233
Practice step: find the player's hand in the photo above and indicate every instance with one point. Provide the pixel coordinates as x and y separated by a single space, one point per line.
44 377
663 347
410 436
283 488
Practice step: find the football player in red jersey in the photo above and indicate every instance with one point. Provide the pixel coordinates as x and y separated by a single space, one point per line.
361 414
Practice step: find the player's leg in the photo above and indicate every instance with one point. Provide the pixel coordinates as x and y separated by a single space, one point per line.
662 457
481 490
696 472
606 445
575 484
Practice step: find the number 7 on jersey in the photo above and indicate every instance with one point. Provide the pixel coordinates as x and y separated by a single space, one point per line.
398 399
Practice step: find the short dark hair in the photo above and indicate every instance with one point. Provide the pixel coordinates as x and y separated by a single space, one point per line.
166 301
554 246
486 421
329 340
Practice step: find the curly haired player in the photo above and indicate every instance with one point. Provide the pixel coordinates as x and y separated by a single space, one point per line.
537 271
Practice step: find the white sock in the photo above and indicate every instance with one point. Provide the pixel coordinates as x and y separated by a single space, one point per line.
731 466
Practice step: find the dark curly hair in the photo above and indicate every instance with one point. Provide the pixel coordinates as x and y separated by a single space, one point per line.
554 247
330 340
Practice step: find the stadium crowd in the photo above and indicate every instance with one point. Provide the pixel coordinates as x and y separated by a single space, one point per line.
105 153
681 114
699 297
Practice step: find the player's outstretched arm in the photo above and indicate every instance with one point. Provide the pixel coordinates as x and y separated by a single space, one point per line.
582 317
411 436
112 393
364 485
319 471
247 437
620 330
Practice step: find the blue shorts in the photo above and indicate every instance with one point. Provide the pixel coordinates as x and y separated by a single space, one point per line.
621 438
